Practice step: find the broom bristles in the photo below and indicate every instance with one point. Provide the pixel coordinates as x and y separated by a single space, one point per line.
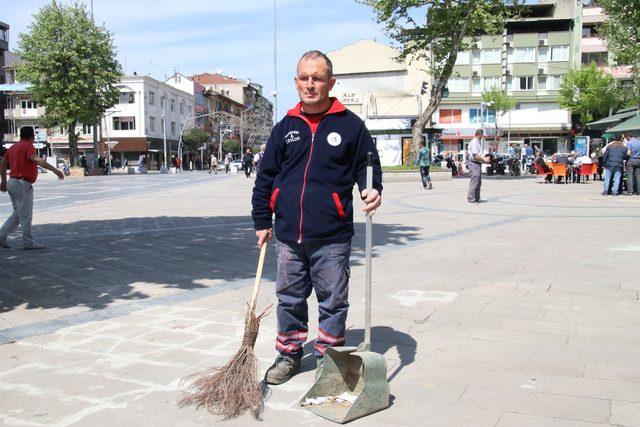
234 388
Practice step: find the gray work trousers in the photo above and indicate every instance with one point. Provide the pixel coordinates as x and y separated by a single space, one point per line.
633 175
475 181
21 194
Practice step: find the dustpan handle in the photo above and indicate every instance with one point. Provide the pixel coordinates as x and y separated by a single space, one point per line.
256 284
368 249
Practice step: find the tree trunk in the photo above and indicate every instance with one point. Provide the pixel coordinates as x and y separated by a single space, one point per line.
73 144
425 118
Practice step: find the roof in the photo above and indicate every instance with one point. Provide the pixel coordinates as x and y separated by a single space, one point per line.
633 124
11 59
613 119
214 79
365 56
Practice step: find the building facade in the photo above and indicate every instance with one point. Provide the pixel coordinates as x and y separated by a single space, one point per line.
4 49
146 111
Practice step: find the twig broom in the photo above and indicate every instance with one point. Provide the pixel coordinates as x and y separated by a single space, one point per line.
234 388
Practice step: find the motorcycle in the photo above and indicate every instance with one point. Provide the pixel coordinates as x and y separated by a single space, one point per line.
497 164
513 164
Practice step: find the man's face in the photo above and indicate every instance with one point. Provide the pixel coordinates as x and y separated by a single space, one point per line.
313 82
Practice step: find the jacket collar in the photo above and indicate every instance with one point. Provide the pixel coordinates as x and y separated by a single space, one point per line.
336 107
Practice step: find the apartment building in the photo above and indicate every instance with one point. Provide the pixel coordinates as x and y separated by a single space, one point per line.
147 109
4 50
529 61
383 92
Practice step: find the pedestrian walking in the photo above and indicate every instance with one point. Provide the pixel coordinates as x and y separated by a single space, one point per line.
474 162
213 164
247 163
140 163
633 166
424 162
314 156
22 160
258 156
227 163
613 164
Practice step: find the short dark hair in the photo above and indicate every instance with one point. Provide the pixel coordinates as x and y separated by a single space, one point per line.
313 54
479 132
26 132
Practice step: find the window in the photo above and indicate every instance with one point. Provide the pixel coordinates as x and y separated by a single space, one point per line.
462 58
189 109
152 98
126 98
491 83
542 82
28 104
450 116
600 58
553 82
510 56
491 56
173 128
86 129
152 123
476 56
524 54
124 123
560 53
543 54
173 104
474 115
588 32
458 84
525 83
182 108
475 85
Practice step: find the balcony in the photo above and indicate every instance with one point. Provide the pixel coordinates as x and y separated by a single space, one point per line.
23 113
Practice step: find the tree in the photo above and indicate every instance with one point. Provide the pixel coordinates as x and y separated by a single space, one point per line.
620 31
194 138
589 93
450 27
231 146
501 103
71 66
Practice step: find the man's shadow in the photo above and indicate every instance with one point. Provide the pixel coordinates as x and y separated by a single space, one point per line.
383 339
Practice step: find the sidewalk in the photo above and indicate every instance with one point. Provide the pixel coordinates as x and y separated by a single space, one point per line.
523 311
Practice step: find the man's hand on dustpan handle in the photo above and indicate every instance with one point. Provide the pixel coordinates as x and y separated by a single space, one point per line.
373 199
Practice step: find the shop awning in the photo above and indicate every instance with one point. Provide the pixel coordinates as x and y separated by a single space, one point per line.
633 124
612 120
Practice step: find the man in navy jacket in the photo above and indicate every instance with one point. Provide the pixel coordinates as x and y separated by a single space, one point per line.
314 156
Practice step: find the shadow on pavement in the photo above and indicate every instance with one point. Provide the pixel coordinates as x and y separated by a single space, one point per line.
94 263
384 338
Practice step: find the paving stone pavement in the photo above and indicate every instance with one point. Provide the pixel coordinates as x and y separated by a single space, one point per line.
523 311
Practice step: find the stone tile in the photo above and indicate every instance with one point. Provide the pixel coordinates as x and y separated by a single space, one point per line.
612 372
625 414
555 406
521 420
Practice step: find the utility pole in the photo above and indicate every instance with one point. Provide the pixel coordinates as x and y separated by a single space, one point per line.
275 65
96 145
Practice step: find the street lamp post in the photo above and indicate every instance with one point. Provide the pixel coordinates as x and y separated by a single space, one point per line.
184 123
483 105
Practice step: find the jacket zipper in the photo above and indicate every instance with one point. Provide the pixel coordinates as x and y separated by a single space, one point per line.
304 185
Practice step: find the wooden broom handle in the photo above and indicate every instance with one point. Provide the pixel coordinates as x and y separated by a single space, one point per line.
256 284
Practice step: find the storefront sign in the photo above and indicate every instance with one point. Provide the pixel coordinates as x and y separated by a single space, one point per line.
582 145
350 97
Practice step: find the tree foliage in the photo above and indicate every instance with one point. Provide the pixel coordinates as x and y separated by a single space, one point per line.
435 31
231 146
501 102
589 93
620 31
71 66
194 138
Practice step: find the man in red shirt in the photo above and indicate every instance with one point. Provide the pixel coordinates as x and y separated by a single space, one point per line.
22 161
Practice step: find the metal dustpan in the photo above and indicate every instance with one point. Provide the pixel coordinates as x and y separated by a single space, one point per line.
353 382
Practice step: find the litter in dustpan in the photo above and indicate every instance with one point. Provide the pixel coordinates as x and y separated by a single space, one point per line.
344 399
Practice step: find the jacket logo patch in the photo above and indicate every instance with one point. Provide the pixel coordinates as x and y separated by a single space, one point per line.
292 136
334 139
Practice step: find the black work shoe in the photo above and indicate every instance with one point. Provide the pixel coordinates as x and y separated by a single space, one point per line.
282 370
319 365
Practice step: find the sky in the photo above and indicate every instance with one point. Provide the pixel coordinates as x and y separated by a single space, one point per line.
158 37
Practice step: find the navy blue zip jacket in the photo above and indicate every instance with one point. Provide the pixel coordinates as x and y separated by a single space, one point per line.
307 179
